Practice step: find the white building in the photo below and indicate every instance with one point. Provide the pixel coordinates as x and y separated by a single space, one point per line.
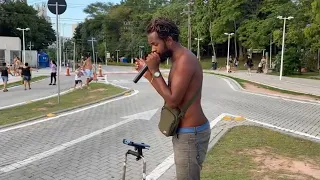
42 10
9 47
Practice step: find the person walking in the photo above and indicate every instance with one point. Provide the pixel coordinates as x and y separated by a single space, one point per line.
5 71
53 66
26 73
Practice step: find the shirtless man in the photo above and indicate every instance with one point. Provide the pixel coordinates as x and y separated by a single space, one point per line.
185 78
17 66
87 66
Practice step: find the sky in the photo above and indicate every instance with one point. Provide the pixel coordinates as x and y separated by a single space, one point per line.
73 15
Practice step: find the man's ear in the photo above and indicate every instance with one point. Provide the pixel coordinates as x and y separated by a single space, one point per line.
169 41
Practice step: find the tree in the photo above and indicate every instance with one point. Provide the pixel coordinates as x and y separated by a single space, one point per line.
19 14
255 23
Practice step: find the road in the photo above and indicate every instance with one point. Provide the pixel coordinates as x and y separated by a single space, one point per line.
39 89
88 144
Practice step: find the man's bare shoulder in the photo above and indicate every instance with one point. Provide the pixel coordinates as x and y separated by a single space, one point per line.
188 60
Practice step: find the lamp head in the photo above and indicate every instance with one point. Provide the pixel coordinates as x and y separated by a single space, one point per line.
290 17
27 29
279 17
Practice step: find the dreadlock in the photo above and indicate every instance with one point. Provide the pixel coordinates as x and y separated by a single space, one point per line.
164 28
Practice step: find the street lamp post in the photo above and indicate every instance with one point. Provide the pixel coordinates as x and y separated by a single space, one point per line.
92 40
228 34
24 46
198 50
283 37
141 47
117 55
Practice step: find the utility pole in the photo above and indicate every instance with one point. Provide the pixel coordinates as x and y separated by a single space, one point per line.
189 12
270 58
319 60
198 51
117 55
96 57
129 24
74 55
141 51
30 46
92 40
65 57
105 49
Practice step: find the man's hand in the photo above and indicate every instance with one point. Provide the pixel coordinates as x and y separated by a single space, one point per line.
153 62
140 63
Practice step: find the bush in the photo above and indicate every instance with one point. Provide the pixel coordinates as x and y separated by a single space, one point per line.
291 61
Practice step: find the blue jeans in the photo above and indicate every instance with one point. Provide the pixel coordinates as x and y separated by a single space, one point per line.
4 78
190 150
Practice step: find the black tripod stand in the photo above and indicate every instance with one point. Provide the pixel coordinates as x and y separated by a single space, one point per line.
138 154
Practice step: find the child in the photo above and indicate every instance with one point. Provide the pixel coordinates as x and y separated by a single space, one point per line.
77 78
5 71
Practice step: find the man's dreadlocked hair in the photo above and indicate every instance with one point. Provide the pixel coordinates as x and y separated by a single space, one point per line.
164 28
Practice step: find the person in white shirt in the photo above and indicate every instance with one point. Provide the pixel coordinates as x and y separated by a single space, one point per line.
77 78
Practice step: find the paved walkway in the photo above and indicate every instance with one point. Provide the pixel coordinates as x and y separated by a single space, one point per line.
307 86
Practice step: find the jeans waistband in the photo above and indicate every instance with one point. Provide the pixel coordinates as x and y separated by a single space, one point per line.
203 127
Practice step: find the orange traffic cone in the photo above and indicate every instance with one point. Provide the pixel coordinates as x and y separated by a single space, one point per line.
68 70
100 71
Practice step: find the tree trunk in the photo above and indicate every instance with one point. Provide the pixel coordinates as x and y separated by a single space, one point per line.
235 39
212 43
240 50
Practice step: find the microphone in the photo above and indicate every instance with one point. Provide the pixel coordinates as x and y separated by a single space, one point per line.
140 74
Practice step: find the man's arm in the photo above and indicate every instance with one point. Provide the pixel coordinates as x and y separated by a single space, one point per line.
84 63
180 81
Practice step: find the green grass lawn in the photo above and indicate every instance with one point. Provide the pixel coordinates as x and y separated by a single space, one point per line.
97 91
18 83
250 153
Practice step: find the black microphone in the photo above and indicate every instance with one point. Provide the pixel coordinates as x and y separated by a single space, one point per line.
140 74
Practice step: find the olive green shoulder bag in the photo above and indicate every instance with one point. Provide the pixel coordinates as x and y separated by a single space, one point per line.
170 118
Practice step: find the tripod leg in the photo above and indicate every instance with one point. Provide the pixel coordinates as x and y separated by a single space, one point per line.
124 167
144 175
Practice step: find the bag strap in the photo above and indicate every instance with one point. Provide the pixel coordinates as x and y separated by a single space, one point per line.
184 108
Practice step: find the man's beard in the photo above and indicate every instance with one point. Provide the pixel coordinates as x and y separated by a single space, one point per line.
165 55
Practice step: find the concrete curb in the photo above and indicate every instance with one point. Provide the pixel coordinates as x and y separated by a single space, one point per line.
279 96
265 84
69 109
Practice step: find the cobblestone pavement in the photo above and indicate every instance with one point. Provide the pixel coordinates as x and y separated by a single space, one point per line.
101 156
